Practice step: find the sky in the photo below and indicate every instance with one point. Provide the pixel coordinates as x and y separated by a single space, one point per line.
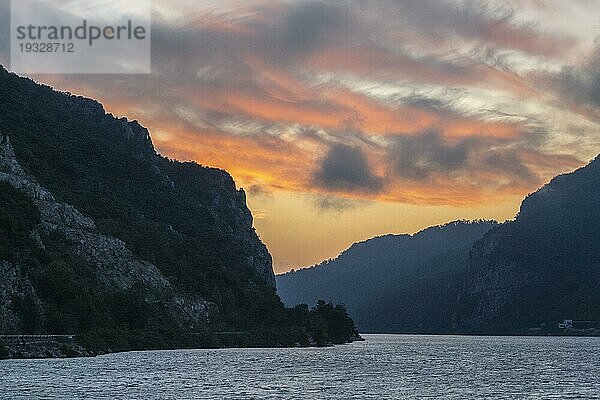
347 119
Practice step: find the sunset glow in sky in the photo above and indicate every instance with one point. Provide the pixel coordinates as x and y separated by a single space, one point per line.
346 119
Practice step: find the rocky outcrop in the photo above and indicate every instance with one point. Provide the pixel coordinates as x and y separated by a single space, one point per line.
542 267
114 266
259 257
114 237
25 348
14 288
230 213
491 283
113 263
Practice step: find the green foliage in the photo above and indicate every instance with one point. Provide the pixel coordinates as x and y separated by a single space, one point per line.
17 217
3 351
324 324
30 312
124 339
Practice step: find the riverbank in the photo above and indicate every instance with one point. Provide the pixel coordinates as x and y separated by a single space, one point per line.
25 350
63 346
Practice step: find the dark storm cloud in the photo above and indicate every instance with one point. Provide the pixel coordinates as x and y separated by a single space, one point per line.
417 157
298 28
579 85
281 78
433 104
468 19
199 51
508 162
346 168
284 34
422 156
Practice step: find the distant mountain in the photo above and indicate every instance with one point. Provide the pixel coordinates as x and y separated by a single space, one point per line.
102 237
544 266
393 283
541 268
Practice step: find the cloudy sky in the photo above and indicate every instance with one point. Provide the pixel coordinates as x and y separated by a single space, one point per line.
344 119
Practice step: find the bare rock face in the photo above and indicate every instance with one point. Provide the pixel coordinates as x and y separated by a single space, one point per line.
114 266
260 258
492 282
542 267
13 287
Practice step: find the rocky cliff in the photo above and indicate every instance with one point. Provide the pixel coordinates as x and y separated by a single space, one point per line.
98 231
113 266
542 267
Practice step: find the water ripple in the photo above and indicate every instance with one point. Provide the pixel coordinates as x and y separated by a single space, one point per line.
384 367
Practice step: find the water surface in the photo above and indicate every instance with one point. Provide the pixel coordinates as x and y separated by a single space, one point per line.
383 367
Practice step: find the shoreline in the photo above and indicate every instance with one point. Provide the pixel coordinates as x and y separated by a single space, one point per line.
67 350
59 349
572 334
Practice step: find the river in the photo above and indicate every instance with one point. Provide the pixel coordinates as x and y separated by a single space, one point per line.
383 367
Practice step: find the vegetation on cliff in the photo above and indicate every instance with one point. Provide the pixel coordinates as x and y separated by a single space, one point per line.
104 238
544 266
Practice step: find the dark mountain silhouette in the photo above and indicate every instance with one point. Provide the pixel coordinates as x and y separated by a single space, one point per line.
531 272
542 267
394 283
102 237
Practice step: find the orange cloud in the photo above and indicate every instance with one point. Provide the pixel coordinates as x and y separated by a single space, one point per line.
374 117
277 91
274 164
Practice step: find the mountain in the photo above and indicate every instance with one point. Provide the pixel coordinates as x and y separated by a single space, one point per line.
393 283
102 237
519 277
542 267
